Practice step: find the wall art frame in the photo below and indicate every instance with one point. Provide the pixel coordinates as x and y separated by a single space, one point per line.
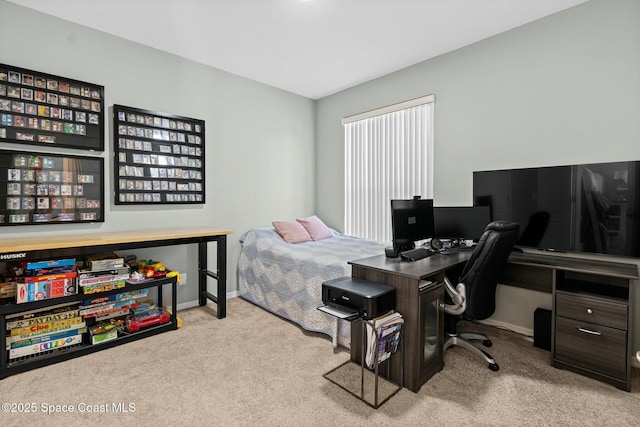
45 188
158 157
38 108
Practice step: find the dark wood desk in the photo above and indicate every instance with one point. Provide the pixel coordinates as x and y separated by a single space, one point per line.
592 311
420 303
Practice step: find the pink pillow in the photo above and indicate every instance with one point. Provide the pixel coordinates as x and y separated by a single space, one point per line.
291 232
315 227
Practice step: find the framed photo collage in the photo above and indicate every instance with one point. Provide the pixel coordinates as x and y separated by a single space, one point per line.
159 158
41 109
50 188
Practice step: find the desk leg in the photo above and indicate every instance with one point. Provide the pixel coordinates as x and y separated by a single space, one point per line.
220 276
202 276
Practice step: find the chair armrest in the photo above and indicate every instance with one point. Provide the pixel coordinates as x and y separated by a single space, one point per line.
459 297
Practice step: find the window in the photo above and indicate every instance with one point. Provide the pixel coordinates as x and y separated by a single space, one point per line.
388 155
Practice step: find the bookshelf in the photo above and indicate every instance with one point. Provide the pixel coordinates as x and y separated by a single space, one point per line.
55 247
12 367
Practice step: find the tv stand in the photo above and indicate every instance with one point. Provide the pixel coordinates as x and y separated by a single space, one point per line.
592 311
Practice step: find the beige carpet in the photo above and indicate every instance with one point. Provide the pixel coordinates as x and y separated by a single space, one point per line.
255 369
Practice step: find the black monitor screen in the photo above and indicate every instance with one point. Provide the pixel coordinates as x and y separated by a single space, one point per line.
411 220
461 222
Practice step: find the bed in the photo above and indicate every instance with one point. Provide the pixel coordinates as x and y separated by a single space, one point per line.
286 279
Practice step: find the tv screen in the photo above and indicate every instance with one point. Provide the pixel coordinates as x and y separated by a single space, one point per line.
411 220
461 222
575 208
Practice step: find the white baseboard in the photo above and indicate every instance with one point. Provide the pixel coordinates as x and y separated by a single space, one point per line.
196 303
515 328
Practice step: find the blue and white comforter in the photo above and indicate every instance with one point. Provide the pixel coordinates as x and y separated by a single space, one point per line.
286 279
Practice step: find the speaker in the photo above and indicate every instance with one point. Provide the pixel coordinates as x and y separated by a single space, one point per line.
542 328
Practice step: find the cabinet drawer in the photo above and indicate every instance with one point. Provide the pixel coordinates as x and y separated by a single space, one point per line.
596 310
594 347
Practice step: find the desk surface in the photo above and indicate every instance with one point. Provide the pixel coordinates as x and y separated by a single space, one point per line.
414 269
98 239
583 265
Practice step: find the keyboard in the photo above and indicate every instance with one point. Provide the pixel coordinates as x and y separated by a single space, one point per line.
416 254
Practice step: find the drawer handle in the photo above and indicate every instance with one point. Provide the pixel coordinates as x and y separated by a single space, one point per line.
587 331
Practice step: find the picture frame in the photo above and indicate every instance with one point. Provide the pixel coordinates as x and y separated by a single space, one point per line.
45 188
159 158
38 108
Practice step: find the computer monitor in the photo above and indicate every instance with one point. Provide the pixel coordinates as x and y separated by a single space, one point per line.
461 222
411 220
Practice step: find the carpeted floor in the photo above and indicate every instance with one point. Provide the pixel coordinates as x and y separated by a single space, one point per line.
255 369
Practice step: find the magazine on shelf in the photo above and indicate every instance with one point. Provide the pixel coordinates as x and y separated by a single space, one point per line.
385 331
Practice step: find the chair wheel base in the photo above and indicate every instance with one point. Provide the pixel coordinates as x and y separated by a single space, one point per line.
487 343
494 367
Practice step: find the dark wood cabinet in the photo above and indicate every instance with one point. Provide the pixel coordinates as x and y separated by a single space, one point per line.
420 299
430 331
592 322
592 326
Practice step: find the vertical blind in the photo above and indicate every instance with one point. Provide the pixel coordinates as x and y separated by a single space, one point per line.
388 155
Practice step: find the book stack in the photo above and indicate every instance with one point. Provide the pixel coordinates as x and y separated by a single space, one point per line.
93 281
47 279
42 331
112 306
383 337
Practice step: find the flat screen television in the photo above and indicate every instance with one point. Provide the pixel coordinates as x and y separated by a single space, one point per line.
411 221
589 208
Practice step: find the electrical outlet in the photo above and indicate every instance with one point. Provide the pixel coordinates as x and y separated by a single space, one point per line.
183 279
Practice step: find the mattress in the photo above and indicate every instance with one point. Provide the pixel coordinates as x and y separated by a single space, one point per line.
286 279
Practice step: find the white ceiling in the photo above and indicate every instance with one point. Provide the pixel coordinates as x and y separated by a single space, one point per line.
310 47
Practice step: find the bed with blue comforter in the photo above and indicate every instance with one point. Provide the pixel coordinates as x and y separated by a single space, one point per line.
286 279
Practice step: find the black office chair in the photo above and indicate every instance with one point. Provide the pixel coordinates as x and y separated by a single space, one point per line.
474 297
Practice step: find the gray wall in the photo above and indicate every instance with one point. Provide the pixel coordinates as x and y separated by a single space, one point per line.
259 140
561 90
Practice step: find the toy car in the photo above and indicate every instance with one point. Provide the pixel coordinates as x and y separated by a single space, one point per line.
134 322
